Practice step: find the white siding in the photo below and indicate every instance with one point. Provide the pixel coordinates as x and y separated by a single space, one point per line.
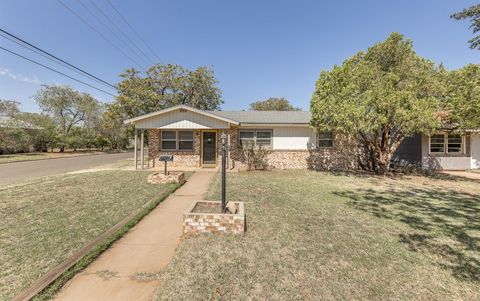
475 149
181 120
293 138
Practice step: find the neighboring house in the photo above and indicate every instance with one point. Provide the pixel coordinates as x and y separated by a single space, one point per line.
193 137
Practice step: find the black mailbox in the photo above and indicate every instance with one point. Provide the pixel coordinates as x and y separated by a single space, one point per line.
165 159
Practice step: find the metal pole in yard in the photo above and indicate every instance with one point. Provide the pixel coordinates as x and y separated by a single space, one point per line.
224 173
142 153
135 150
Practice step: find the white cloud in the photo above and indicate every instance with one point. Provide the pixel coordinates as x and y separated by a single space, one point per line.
19 77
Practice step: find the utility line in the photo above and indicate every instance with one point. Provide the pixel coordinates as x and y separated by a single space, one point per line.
56 71
99 33
111 31
134 31
46 54
120 30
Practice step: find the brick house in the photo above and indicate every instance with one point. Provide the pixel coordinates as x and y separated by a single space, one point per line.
192 136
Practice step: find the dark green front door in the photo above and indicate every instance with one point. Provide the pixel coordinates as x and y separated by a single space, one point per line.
209 142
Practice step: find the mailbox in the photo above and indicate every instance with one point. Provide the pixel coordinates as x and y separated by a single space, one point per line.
165 159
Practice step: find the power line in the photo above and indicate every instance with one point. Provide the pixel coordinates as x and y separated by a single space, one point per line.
51 57
100 34
121 31
134 31
56 71
111 31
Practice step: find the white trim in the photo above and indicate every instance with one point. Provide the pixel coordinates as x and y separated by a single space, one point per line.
445 145
202 112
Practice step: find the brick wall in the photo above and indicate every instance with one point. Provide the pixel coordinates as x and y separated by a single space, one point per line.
342 156
180 158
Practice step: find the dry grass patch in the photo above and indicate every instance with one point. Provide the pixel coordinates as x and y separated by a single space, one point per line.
324 236
44 221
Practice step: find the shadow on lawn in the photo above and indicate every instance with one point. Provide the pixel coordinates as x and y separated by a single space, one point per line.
442 220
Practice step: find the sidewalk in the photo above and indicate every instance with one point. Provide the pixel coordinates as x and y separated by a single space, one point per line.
124 272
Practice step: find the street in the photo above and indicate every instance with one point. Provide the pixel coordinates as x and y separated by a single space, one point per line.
17 171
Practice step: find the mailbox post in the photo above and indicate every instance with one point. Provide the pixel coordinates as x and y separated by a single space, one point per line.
165 159
224 174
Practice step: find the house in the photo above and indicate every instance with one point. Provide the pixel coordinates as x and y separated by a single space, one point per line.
192 136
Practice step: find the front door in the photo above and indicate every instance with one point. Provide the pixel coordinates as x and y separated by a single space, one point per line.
209 151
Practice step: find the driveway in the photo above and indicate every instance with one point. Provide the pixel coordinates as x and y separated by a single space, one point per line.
17 171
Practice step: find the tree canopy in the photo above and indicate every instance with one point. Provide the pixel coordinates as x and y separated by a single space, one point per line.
473 15
462 98
68 108
381 95
164 86
273 104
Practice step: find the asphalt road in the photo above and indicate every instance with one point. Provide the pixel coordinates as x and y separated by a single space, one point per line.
17 171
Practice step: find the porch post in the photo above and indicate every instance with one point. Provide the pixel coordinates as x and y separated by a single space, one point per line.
141 148
135 149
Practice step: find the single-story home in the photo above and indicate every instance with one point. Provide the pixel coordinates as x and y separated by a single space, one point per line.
192 136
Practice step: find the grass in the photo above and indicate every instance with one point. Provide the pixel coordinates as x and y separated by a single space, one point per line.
325 236
42 156
46 220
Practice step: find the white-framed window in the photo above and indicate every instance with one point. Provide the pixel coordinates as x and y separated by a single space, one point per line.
255 137
447 144
325 139
171 140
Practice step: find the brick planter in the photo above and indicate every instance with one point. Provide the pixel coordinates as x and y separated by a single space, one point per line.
170 178
195 221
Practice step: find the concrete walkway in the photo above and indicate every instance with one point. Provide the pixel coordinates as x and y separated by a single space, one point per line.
124 272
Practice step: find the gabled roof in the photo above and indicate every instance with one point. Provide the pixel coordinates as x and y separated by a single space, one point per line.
202 112
239 117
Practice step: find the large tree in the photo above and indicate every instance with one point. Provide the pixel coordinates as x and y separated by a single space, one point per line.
380 96
473 15
462 100
68 108
164 86
273 104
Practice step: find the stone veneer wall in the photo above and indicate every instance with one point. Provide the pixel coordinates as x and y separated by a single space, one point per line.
342 156
180 158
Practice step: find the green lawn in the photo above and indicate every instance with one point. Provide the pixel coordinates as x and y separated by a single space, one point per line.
324 236
44 221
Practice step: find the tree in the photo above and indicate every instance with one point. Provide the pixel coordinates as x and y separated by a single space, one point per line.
462 101
473 15
9 108
68 108
379 96
165 86
273 104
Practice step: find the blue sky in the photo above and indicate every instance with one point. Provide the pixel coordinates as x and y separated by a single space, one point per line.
257 48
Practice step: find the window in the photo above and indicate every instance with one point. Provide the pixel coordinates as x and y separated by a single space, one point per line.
255 137
185 140
437 144
454 144
176 140
169 140
446 144
325 139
